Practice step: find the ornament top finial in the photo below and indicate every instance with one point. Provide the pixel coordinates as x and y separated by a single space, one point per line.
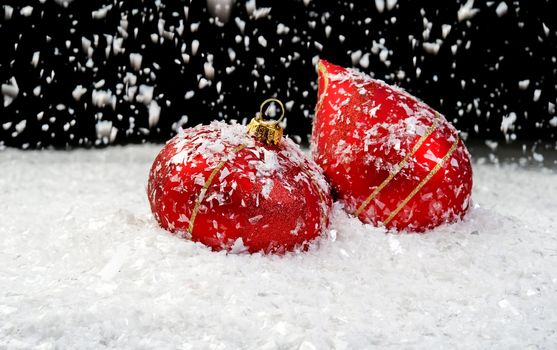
268 131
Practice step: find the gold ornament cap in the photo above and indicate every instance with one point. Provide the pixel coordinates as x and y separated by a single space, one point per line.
268 131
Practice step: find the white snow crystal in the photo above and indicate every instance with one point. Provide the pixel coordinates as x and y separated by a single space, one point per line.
220 9
261 12
194 47
240 24
255 219
19 127
145 95
102 12
383 55
189 94
391 4
545 29
523 84
356 56
380 5
395 246
35 58
154 113
467 11
10 91
105 130
432 48
101 98
209 70
364 61
8 12
501 9
537 94
135 60
537 157
445 30
203 83
26 11
267 188
282 29
328 31
508 122
262 41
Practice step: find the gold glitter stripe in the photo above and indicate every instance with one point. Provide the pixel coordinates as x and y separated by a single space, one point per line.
323 70
317 188
423 182
206 186
314 184
397 169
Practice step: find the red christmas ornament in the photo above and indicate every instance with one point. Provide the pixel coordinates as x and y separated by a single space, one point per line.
391 159
218 185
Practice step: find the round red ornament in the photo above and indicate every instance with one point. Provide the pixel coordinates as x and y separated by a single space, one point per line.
391 159
239 190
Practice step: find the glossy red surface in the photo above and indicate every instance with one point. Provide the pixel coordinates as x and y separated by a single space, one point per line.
371 137
271 197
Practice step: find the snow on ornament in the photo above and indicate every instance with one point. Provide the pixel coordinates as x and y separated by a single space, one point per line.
239 190
391 159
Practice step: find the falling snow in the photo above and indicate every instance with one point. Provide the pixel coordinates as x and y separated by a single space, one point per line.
110 68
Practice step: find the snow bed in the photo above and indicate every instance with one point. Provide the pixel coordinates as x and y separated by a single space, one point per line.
83 265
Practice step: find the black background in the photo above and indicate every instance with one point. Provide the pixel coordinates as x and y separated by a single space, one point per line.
474 88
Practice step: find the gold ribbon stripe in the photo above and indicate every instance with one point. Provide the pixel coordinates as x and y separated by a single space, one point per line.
325 74
397 169
317 188
423 182
206 186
